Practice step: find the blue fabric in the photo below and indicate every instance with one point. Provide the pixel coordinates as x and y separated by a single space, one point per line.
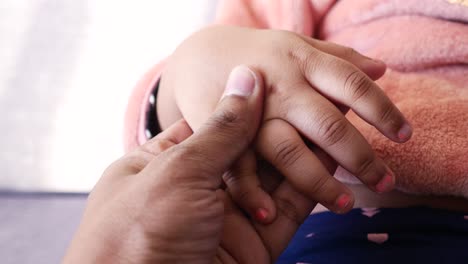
381 235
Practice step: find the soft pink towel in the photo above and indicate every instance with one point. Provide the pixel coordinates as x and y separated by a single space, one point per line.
426 50
427 53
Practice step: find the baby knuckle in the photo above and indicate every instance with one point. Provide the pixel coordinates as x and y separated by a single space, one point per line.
305 57
319 186
332 130
288 153
313 59
357 85
289 210
365 165
387 113
226 118
295 55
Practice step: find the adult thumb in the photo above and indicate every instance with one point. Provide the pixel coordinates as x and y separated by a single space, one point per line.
221 140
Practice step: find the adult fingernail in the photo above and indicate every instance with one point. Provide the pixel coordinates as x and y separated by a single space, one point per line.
387 182
241 82
261 214
405 132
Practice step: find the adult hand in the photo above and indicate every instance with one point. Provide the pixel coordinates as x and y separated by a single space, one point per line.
162 203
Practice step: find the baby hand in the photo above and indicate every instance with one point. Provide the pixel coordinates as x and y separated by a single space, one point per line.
310 84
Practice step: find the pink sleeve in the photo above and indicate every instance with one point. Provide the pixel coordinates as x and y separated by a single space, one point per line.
300 16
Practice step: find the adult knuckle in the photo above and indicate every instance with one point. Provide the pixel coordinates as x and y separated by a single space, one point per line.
229 120
193 160
288 152
357 85
183 152
332 130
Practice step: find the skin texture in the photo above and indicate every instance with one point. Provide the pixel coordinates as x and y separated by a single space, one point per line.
309 85
163 202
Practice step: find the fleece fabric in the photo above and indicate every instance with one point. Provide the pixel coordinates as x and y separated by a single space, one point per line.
425 45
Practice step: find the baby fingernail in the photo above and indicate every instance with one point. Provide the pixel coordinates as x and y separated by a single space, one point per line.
342 202
405 132
261 214
386 184
241 82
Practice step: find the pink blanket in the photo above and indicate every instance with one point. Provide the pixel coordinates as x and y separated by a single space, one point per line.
424 43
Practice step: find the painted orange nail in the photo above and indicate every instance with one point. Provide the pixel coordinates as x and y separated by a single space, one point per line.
261 214
405 132
343 201
385 184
